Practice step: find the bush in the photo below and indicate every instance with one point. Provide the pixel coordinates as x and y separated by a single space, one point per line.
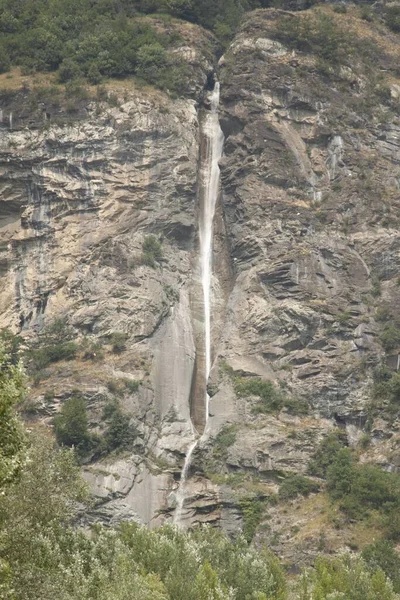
132 385
54 344
361 488
382 555
69 70
71 426
319 33
390 337
252 511
326 454
120 434
271 398
118 341
152 251
151 62
392 18
347 578
5 62
226 437
297 485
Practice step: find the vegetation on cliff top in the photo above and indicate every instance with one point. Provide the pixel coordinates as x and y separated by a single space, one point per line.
109 38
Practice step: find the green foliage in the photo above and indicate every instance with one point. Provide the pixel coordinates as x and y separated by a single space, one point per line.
344 578
69 70
91 350
118 341
71 426
226 437
325 454
252 511
386 392
271 398
376 289
12 344
360 488
318 33
11 434
132 385
120 433
390 336
108 38
86 41
392 18
55 344
297 485
382 555
152 251
34 513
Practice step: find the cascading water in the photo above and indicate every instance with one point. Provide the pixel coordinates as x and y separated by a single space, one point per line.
213 140
215 143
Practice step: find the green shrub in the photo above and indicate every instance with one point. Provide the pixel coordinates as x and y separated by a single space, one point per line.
382 555
341 9
271 398
120 434
297 485
69 70
132 385
151 62
226 437
383 313
346 577
5 62
385 392
152 251
252 511
118 341
376 289
317 32
366 14
116 386
12 344
54 344
91 350
390 337
392 18
360 488
71 426
344 317
326 454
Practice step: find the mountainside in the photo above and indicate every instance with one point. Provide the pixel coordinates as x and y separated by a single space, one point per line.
99 217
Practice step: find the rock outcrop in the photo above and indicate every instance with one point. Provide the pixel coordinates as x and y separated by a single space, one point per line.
306 262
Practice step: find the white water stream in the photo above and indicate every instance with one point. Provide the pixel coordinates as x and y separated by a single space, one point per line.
209 185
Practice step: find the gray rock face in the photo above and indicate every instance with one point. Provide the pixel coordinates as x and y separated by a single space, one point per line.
306 253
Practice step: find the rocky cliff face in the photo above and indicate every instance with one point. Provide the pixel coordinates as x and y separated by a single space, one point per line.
306 262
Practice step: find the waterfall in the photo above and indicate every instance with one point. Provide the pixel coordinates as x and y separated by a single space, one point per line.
213 139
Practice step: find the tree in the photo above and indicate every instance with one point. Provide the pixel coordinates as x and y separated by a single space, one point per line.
35 512
345 578
11 431
71 425
151 61
382 555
